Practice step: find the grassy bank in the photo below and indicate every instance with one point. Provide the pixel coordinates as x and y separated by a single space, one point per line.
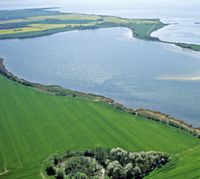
35 124
185 165
189 46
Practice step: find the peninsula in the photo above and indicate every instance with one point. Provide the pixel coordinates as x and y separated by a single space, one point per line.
38 22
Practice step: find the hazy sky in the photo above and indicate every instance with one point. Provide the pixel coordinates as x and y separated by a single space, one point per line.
126 8
114 2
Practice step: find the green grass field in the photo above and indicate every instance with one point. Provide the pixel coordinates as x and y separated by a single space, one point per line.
34 125
185 165
194 47
37 22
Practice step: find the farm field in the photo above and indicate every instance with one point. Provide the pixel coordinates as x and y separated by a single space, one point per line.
185 165
194 47
37 22
35 125
29 23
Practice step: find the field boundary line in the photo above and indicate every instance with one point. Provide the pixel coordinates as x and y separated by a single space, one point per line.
149 32
3 173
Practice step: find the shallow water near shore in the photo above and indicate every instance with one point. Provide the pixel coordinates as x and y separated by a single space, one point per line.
112 63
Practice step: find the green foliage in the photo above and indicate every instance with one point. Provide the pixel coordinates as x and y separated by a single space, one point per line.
137 172
40 22
183 166
119 163
55 161
89 153
60 174
115 170
50 170
128 169
125 164
24 13
13 25
194 47
81 164
119 155
80 175
101 154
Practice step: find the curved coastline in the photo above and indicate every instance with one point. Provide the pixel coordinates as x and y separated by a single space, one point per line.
60 91
100 21
148 37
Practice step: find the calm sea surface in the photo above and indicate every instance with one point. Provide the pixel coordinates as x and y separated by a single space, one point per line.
110 62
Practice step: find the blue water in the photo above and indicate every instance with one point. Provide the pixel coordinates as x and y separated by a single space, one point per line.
111 63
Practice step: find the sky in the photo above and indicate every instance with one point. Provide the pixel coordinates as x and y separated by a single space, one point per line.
137 3
127 8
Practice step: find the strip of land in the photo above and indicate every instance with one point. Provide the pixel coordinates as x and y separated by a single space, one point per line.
39 22
194 47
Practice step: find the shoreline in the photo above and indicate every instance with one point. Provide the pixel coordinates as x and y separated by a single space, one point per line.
189 46
60 91
180 78
101 21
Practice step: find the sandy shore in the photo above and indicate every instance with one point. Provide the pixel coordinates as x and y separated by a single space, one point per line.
180 78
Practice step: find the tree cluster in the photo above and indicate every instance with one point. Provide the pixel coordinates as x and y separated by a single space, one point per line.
116 163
